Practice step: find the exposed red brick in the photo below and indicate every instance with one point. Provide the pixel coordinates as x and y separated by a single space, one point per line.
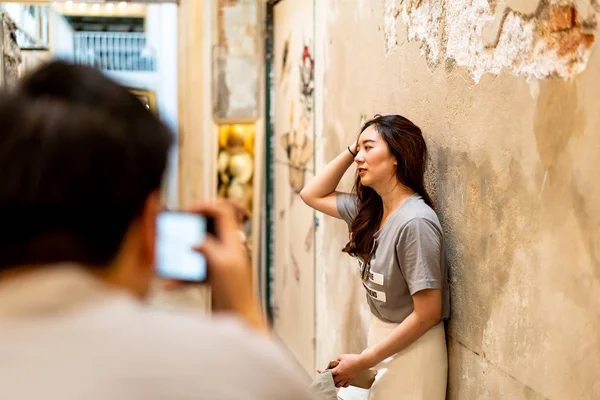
562 18
588 40
570 42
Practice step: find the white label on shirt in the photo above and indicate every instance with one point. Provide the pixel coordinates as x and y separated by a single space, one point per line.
376 278
376 294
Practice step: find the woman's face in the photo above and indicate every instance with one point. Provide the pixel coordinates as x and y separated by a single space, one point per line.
376 164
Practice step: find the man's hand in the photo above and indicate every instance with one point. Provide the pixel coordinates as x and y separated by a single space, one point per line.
229 273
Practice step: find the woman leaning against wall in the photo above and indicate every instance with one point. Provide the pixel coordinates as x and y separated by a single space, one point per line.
397 238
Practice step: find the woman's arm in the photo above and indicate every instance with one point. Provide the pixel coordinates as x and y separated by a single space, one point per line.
419 251
320 192
427 314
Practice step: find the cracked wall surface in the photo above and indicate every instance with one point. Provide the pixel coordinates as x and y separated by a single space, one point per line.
507 96
537 39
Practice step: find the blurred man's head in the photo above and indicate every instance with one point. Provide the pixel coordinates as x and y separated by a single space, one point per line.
81 166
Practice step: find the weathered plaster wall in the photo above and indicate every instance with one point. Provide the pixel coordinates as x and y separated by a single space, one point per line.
514 169
293 222
235 59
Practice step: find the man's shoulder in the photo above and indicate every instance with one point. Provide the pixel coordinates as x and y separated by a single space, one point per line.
183 326
213 353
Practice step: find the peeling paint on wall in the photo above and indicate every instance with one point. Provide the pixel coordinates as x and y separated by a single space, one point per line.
425 23
511 174
235 71
390 41
552 41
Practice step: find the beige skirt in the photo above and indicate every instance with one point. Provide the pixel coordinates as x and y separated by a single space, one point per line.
419 372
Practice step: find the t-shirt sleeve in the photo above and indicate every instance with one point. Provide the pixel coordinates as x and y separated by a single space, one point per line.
347 206
419 250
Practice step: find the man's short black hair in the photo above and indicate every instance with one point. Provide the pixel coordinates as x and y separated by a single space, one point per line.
79 157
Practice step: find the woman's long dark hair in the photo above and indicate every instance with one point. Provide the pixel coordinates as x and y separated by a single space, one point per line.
406 143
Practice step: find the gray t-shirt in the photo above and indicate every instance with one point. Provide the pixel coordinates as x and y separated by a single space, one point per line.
408 257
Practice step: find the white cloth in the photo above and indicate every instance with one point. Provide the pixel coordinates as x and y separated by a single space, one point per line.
418 372
353 393
66 336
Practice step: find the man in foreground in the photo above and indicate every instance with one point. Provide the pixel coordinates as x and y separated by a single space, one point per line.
81 167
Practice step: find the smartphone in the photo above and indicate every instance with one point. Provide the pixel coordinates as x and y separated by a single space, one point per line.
177 234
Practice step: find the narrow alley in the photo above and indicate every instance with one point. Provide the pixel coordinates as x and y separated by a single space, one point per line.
486 114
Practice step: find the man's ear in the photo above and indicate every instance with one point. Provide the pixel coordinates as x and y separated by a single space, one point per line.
148 218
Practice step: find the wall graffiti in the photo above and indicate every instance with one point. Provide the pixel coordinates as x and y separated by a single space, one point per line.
297 142
284 61
293 258
307 80
309 238
295 265
299 150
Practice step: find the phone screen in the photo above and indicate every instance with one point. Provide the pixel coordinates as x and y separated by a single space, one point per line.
177 234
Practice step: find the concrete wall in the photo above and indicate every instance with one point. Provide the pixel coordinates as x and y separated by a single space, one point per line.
513 171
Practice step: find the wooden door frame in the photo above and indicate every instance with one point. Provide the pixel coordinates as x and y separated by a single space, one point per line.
197 147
